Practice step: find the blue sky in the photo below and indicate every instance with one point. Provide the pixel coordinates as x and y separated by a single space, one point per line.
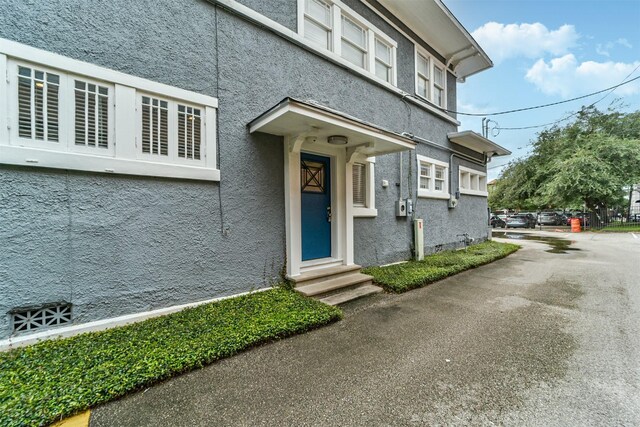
546 51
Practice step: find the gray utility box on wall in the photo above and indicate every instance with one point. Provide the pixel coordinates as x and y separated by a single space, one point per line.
401 208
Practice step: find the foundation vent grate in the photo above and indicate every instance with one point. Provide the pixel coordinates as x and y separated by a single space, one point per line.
31 319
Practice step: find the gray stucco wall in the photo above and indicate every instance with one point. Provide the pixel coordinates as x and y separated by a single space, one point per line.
115 245
165 41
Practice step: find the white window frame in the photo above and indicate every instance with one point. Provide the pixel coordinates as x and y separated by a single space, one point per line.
431 192
433 63
472 182
110 150
338 10
328 28
124 120
369 209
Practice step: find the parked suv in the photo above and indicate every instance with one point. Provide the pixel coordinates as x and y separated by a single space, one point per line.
496 222
521 221
549 218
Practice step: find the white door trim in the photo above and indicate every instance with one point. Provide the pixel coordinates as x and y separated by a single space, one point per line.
341 224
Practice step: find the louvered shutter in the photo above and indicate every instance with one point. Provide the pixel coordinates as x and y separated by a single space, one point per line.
359 184
38 104
91 114
189 132
155 126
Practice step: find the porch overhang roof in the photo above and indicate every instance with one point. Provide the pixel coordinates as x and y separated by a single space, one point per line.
435 24
478 143
292 117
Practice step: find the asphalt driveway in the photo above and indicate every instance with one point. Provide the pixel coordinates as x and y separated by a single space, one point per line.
536 339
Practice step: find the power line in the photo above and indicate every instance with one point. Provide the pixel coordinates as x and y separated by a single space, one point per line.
517 110
624 81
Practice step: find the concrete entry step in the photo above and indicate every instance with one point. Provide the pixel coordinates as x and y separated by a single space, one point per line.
334 283
322 274
351 294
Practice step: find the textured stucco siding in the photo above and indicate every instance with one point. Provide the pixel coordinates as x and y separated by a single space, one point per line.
115 244
284 12
167 41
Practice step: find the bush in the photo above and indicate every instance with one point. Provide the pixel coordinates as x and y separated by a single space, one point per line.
414 274
54 379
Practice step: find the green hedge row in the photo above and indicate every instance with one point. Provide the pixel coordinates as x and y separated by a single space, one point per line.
51 380
414 274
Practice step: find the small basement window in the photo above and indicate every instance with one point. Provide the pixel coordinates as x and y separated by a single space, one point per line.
31 319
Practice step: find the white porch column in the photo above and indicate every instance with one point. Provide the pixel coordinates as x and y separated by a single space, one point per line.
292 205
348 258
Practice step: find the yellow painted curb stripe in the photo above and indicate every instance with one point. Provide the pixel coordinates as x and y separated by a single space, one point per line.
80 420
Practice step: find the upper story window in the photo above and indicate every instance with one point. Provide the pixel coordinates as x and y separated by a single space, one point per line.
354 42
472 182
432 178
64 113
333 26
430 79
318 23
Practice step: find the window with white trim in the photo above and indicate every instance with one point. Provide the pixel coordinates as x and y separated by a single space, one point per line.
92 114
432 178
384 60
363 194
318 23
472 182
68 114
354 42
38 94
332 25
430 79
359 185
423 81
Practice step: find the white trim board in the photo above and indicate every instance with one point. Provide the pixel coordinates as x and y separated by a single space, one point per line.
100 325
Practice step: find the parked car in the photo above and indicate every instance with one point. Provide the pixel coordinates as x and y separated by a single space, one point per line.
521 221
634 218
549 218
497 222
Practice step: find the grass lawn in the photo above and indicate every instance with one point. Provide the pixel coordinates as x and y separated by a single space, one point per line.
414 274
627 228
51 380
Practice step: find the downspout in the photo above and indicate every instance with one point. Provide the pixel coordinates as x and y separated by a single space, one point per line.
401 178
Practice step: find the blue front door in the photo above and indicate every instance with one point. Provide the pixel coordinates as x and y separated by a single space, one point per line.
315 179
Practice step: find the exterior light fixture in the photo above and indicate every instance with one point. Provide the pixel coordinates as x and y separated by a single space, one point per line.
338 140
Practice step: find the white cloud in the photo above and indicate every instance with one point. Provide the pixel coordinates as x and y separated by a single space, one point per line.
603 49
529 40
566 77
624 42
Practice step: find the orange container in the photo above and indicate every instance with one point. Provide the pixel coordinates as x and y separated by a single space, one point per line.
575 225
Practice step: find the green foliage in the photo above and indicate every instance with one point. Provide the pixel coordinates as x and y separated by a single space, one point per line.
624 228
589 161
414 274
54 379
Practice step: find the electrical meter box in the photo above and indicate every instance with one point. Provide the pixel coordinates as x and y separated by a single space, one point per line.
409 206
401 208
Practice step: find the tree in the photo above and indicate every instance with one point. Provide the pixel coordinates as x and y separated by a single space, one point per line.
589 161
